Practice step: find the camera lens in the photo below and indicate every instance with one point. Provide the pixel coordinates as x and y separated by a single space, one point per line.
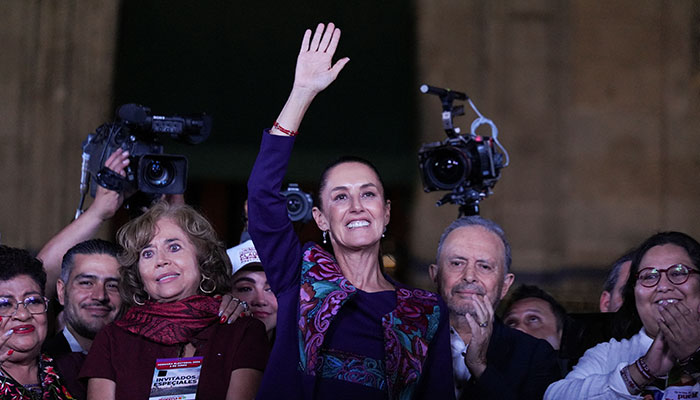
447 168
159 174
294 204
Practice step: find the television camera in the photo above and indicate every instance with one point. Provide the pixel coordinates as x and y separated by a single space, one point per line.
468 165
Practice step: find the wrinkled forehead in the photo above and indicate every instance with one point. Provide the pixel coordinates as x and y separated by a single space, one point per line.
474 242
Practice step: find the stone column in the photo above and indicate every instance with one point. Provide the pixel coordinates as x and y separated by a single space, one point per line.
56 79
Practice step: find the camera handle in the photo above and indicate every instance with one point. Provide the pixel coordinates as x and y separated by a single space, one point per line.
468 200
447 97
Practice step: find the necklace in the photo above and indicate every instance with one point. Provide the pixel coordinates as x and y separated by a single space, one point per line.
33 389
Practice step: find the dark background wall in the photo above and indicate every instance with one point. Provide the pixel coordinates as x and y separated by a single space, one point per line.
598 104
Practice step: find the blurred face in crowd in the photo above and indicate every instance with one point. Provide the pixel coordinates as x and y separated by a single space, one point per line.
535 317
91 296
611 302
252 287
168 264
649 299
470 266
354 209
29 330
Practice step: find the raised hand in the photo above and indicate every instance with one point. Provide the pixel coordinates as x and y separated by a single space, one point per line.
481 325
5 352
659 357
314 70
107 202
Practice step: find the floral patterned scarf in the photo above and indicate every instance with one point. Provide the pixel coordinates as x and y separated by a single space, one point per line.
171 323
51 386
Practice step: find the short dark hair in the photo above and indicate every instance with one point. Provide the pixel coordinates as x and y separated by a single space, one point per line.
629 322
532 291
475 220
614 274
137 233
344 160
15 262
92 246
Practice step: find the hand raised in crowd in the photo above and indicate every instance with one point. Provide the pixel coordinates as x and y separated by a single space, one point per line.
5 352
314 69
107 202
231 308
659 357
681 329
481 327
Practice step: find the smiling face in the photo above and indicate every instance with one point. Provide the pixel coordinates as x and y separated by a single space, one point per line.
472 262
168 264
252 287
648 299
535 317
91 296
29 329
354 209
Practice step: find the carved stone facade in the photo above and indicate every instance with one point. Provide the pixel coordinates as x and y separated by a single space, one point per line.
597 103
55 77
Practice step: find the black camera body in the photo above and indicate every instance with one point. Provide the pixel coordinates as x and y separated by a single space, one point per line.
137 131
470 161
299 203
467 165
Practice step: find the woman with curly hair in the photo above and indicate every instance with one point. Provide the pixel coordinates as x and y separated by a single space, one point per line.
173 267
25 373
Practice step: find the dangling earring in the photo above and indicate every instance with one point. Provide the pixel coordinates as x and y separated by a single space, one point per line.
201 285
142 302
384 231
325 237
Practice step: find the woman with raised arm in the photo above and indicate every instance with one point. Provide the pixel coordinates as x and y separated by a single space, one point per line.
344 328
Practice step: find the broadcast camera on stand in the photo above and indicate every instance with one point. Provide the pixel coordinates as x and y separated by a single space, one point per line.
468 165
150 173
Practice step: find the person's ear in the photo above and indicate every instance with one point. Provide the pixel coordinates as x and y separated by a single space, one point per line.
60 286
605 298
387 212
320 219
433 271
507 282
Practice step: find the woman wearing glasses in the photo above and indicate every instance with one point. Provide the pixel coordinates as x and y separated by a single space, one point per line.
25 373
661 313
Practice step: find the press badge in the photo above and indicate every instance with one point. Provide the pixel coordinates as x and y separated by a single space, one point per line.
176 378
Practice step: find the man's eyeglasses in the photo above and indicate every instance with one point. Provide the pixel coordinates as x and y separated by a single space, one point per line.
677 274
33 305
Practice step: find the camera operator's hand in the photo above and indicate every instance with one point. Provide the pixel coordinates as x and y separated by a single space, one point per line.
107 202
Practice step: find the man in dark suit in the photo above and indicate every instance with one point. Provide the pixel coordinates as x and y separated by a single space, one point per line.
88 289
490 360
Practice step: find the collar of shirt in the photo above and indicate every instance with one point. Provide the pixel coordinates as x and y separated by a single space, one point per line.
459 366
73 342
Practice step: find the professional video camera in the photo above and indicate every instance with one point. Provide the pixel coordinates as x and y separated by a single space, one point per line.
468 165
150 172
299 203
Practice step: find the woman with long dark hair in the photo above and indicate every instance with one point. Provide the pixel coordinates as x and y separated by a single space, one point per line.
345 330
661 315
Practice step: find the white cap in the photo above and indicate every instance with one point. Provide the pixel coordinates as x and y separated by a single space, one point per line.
243 255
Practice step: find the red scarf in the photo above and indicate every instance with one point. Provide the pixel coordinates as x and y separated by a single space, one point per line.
171 323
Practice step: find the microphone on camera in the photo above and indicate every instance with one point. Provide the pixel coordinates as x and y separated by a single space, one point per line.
427 89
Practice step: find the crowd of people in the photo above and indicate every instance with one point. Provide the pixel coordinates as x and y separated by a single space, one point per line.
168 312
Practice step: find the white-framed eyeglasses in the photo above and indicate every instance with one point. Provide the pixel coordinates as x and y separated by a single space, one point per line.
33 305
